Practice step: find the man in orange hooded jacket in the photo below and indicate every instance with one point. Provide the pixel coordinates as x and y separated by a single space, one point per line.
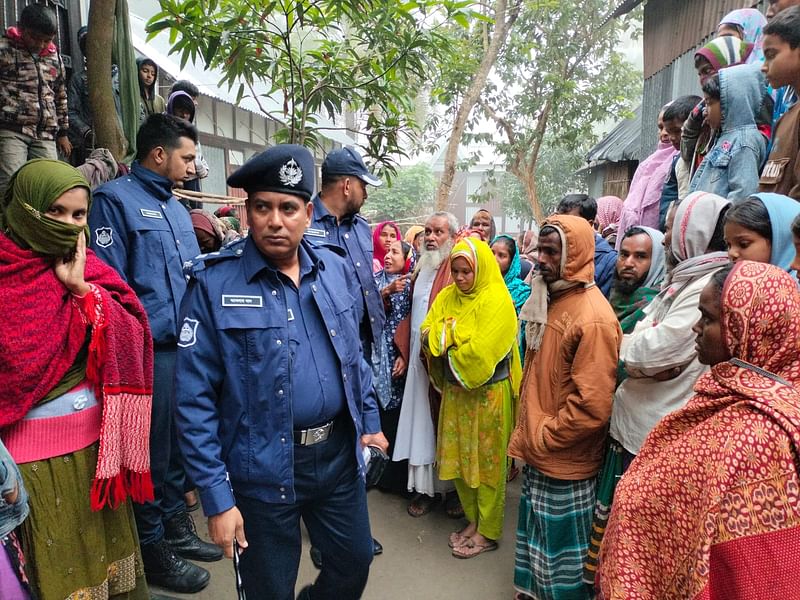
573 340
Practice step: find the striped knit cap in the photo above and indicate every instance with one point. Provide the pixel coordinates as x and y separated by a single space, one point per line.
725 51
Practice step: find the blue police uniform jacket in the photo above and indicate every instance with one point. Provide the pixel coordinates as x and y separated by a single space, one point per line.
233 378
354 236
141 230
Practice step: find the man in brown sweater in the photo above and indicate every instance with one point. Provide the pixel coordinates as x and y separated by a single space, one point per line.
573 340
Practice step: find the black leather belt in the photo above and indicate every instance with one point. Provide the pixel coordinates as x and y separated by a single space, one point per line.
501 371
313 435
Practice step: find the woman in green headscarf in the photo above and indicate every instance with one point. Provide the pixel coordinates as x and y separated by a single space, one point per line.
470 336
76 359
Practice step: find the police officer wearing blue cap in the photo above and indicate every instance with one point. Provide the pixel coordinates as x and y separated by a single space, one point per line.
274 397
336 221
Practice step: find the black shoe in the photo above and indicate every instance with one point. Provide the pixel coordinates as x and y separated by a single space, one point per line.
164 569
377 547
181 534
316 558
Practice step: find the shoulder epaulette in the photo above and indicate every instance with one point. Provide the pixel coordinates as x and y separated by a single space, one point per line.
200 262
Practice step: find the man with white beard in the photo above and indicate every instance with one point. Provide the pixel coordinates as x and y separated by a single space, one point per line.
419 412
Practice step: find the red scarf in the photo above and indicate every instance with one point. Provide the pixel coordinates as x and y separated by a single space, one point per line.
45 329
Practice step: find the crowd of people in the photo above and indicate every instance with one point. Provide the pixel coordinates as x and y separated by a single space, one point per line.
636 360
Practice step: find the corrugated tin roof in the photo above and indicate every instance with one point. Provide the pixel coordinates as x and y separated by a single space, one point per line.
623 143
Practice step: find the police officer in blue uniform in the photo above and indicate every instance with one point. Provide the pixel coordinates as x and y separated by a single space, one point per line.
336 221
141 230
274 397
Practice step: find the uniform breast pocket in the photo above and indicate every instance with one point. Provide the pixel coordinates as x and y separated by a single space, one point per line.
154 238
346 340
255 329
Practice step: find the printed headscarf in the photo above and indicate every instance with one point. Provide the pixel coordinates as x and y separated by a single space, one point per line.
30 192
609 211
518 289
752 24
781 210
746 408
205 221
378 251
475 329
726 51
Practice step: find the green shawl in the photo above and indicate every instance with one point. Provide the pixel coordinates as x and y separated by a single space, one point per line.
31 191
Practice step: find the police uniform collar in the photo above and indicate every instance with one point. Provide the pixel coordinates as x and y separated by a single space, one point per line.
322 212
254 262
160 187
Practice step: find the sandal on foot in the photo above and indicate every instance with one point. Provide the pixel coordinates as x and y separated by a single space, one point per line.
471 549
421 505
457 538
452 506
513 472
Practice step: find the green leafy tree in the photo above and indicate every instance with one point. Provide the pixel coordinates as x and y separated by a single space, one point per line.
369 58
559 74
407 198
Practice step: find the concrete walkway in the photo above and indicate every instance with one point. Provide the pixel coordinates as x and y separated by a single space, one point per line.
416 563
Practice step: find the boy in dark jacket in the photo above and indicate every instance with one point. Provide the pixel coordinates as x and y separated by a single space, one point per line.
33 93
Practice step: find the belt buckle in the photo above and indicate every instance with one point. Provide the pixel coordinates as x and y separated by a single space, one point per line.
318 434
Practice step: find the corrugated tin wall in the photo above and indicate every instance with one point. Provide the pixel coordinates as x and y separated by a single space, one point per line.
676 19
672 27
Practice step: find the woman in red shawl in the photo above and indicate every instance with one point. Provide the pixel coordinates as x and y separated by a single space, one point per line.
383 236
710 508
76 359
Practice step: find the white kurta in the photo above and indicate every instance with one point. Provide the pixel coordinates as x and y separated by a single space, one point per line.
416 439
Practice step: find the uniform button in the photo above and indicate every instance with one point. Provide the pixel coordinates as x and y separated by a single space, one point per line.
280 392
333 333
283 496
178 242
372 319
279 342
283 440
358 264
366 292
344 376
313 288
239 251
163 206
274 293
283 489
347 236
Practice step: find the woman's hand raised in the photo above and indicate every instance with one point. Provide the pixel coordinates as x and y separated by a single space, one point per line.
70 271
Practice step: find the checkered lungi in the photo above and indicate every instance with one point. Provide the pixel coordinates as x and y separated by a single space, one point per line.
553 531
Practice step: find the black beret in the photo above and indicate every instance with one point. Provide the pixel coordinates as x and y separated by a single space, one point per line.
285 168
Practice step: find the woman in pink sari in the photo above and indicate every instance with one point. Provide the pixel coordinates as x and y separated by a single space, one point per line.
642 203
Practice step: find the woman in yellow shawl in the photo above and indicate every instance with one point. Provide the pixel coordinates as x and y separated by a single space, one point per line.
470 337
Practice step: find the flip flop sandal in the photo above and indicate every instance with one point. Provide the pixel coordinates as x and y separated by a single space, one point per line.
457 539
471 549
421 505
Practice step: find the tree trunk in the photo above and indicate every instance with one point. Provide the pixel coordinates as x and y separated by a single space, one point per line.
501 28
529 183
107 129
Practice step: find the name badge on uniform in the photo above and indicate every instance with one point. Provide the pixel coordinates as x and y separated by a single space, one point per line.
242 301
290 314
316 232
151 214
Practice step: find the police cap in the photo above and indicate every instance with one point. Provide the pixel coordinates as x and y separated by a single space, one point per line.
285 168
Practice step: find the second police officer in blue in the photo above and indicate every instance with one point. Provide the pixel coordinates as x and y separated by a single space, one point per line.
274 396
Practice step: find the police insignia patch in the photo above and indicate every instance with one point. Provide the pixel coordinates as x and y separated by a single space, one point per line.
104 236
290 174
188 334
